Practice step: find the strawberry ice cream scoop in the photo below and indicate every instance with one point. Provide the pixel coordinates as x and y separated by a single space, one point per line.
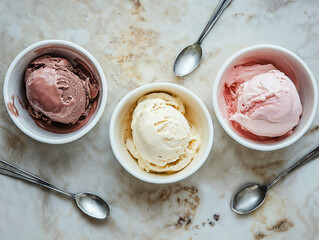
267 105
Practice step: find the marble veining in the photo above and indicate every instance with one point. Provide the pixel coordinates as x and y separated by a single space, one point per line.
136 43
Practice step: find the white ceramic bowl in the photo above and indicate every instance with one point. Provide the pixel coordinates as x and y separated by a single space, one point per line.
290 64
197 113
14 88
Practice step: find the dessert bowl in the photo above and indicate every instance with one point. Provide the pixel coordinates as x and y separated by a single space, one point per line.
15 94
288 63
197 113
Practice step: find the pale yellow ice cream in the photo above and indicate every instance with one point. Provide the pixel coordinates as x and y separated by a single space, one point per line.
162 139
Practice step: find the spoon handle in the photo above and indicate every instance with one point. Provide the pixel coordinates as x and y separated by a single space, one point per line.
310 156
221 6
11 170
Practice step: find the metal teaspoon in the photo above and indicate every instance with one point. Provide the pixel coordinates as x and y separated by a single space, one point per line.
191 56
91 204
251 196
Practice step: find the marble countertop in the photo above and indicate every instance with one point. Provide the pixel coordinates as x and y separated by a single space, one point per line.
136 43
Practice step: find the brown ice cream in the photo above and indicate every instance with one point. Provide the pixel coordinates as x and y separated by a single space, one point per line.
59 94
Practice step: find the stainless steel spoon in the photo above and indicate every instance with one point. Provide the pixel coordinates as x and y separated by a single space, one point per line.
89 203
251 196
191 56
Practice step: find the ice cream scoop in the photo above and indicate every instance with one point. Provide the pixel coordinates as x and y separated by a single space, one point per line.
262 100
58 92
162 138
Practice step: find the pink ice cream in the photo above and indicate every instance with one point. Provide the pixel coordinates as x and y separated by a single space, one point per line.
58 92
262 100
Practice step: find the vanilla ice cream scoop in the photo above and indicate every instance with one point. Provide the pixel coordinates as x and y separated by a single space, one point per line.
268 105
162 138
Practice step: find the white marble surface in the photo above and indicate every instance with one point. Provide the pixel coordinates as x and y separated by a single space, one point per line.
136 43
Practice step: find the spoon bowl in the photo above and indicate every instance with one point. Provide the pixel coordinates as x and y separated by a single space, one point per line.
92 205
187 60
248 198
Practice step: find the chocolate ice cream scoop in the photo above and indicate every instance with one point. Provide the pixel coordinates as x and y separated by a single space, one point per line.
57 91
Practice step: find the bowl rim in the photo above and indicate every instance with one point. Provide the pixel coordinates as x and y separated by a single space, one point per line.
163 180
223 122
82 131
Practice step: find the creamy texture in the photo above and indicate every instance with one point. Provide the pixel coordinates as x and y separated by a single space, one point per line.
262 100
162 139
58 92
